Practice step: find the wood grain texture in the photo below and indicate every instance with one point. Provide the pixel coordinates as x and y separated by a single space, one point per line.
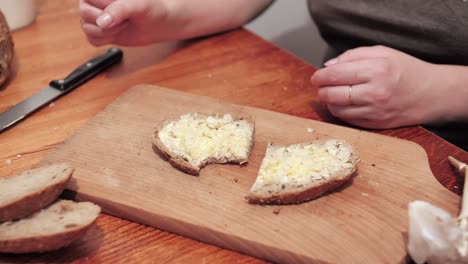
367 219
237 67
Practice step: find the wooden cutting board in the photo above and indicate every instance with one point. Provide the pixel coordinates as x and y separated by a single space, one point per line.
364 221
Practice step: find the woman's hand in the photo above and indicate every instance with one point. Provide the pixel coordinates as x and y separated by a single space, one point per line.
141 22
379 87
123 22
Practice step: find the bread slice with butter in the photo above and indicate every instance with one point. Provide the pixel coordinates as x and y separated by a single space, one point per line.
302 172
195 140
30 191
53 227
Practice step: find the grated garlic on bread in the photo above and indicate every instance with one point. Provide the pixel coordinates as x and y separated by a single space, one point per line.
54 227
30 191
195 140
301 172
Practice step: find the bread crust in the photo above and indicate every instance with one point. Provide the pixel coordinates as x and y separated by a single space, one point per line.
34 202
43 243
183 165
310 191
6 49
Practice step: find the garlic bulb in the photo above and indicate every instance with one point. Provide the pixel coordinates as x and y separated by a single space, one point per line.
434 236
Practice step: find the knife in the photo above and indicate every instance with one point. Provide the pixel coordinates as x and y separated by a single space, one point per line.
57 88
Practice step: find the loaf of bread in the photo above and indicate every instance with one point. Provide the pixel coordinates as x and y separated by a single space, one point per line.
30 191
301 172
6 49
54 227
194 140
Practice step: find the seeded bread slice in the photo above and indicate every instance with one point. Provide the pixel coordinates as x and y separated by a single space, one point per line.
30 191
195 140
52 228
6 49
302 172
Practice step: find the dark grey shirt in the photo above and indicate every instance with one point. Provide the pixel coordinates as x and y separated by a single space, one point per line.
433 30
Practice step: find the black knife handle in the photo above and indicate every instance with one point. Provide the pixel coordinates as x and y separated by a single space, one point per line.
88 70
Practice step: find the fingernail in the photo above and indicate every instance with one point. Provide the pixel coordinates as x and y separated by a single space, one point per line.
104 20
331 62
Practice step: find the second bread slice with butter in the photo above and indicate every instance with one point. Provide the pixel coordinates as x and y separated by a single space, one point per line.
194 140
301 172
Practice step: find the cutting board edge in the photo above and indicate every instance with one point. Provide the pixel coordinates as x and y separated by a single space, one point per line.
212 237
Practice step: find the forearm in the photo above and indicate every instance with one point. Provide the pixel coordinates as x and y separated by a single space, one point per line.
203 17
452 81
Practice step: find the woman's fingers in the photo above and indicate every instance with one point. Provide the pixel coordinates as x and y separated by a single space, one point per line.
360 53
345 95
100 41
346 73
350 112
96 33
365 116
361 122
99 37
121 10
89 13
362 116
101 4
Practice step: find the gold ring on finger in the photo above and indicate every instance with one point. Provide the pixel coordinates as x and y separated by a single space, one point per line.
350 97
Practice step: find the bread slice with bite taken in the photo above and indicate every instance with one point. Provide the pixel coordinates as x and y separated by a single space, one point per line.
53 227
195 140
302 172
30 191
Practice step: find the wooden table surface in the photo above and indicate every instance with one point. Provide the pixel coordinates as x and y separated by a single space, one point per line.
237 66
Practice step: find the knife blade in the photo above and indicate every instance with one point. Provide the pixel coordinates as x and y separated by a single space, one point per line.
57 88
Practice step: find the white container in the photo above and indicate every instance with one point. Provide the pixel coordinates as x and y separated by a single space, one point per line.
19 13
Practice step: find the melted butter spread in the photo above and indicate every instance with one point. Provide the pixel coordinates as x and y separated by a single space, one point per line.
196 138
302 163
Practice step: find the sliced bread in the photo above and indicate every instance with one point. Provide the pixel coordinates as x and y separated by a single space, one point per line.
30 191
6 50
194 140
301 172
54 227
